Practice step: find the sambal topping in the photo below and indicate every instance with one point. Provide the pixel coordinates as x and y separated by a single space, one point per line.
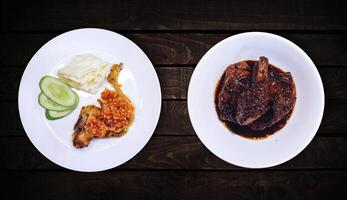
112 118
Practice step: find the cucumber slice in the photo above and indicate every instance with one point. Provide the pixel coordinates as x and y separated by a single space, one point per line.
53 115
57 91
45 102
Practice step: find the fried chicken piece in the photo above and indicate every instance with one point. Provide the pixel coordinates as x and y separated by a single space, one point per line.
254 102
283 94
82 134
234 81
112 118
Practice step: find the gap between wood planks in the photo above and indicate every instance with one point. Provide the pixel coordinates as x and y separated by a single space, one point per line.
174 80
120 169
186 31
180 153
180 48
174 119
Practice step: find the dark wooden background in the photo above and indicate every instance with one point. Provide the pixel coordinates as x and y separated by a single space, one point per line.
175 35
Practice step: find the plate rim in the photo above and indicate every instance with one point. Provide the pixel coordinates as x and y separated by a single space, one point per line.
99 168
193 78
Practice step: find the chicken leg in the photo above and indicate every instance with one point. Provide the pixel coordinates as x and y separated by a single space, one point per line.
254 102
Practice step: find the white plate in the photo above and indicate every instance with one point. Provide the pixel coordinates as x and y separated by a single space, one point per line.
284 144
54 138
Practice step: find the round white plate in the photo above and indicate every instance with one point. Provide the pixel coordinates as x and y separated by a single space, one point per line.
139 82
285 143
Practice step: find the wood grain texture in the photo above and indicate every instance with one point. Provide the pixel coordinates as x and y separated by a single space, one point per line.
244 185
178 153
174 119
175 35
173 15
174 82
180 48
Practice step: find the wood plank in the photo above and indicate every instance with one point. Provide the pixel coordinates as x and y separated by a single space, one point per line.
174 119
334 82
172 15
180 48
179 153
9 84
245 185
174 82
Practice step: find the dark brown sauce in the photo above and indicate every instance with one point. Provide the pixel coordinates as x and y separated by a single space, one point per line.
245 131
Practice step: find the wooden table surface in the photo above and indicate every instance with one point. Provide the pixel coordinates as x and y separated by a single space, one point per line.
175 35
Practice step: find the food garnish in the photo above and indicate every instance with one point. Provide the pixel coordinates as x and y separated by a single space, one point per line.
111 119
56 97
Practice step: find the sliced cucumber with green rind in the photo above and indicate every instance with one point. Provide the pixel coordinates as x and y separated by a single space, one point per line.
47 103
53 115
57 91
